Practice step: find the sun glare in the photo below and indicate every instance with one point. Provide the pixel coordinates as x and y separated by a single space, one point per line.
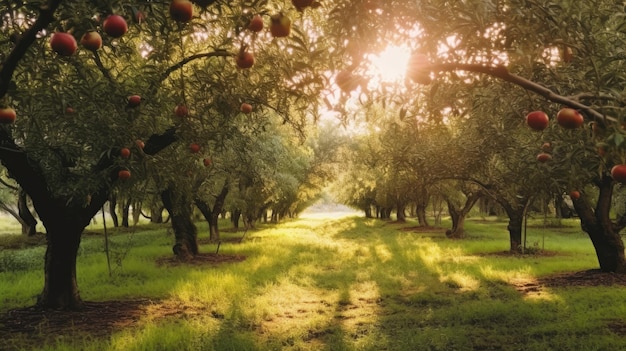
389 66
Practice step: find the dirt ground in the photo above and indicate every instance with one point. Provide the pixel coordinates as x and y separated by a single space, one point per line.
101 319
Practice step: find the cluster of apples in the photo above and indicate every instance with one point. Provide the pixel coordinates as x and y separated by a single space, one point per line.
567 118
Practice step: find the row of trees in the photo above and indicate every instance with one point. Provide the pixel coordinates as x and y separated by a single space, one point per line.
458 126
191 141
455 127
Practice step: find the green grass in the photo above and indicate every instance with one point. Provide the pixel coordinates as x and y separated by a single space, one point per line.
341 284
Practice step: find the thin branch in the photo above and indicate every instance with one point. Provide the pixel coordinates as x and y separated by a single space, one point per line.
186 60
503 73
46 16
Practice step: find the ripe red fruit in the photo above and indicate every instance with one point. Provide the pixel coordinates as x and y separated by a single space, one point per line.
181 10
181 110
301 4
537 120
207 162
544 157
63 44
246 108
244 59
574 194
280 26
91 41
123 174
7 115
115 26
69 110
140 144
195 148
547 146
569 118
256 23
618 173
134 100
346 81
125 152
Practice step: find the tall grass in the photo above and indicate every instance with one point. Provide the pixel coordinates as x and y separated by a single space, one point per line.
343 284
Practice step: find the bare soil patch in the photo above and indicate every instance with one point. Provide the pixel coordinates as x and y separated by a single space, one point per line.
201 259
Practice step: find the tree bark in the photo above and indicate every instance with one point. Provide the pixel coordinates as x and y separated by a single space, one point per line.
29 222
185 231
458 215
400 214
235 217
113 209
126 213
212 215
516 221
604 234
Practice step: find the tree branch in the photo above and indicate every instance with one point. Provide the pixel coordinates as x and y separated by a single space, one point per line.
503 73
46 16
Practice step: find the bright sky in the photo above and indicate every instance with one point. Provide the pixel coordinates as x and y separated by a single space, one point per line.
389 66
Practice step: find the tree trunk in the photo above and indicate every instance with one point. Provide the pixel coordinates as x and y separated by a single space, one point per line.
112 210
458 215
420 210
126 213
156 214
212 215
185 230
604 234
60 287
516 221
29 223
235 217
400 214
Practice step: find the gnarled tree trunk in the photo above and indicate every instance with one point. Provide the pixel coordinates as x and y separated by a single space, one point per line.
458 214
603 232
185 231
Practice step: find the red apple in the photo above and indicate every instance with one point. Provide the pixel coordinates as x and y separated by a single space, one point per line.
280 26
7 115
134 100
618 173
140 144
123 174
256 23
181 10
246 108
63 44
91 41
569 118
544 157
537 120
547 146
125 152
244 59
574 194
194 148
346 81
207 162
301 4
69 110
181 110
115 26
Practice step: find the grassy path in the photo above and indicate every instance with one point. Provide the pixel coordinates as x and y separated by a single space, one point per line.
345 284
